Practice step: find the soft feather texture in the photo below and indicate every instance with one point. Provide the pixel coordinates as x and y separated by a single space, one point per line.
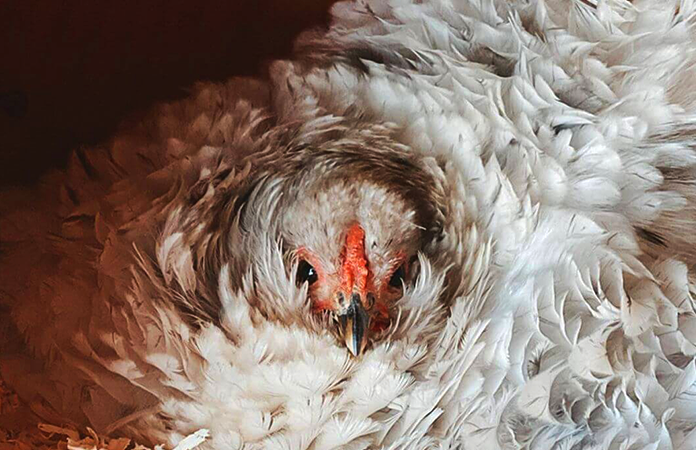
561 137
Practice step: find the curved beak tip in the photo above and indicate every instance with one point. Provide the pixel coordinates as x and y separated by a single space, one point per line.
355 346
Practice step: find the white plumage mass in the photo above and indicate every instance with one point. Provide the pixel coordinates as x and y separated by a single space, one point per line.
555 311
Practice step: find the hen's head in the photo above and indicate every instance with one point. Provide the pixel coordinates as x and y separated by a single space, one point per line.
354 243
352 216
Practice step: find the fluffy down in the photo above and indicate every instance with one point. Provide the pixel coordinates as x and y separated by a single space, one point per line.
558 312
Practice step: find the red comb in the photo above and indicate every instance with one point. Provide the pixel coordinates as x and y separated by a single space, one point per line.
354 271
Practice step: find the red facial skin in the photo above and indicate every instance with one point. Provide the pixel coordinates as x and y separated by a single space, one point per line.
353 276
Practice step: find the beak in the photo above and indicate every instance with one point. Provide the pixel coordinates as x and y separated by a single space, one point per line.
354 325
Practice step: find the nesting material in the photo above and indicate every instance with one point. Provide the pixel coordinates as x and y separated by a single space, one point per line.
20 429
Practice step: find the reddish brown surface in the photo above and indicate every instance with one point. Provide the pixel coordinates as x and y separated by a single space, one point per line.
83 65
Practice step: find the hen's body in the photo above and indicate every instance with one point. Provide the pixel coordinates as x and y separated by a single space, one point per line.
541 155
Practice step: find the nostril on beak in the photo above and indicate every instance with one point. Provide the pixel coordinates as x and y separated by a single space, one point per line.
370 301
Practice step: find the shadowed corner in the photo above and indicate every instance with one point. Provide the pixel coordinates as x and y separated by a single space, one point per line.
73 72
14 104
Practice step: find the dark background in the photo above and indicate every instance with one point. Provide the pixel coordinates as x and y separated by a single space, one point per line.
71 70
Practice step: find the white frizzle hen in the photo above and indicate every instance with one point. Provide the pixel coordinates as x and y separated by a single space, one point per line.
445 224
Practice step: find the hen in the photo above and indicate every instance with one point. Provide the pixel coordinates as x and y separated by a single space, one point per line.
444 224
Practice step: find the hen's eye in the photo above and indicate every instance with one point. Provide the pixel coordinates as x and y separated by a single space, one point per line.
305 272
397 277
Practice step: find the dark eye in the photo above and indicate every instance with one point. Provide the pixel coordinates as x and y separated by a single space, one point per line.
397 277
305 272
